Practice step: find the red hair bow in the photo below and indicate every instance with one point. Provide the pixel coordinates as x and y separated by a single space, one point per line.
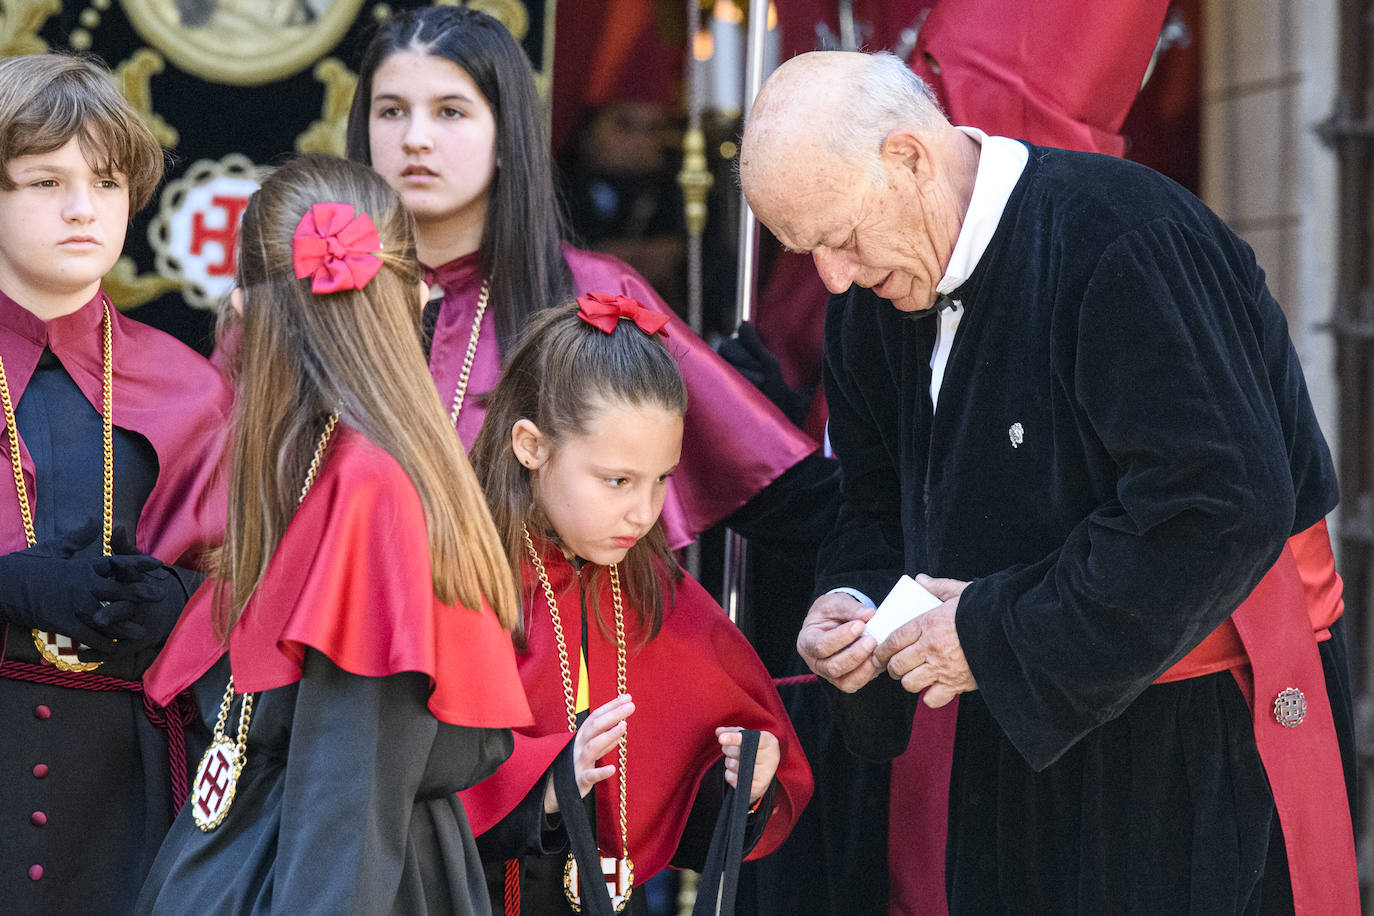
604 311
336 248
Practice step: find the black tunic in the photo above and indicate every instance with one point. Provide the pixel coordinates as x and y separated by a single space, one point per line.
355 767
103 797
1166 450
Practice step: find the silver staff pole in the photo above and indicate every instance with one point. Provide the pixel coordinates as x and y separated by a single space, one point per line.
745 280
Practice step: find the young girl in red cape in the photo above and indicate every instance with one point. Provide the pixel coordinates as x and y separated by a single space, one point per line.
350 655
447 112
639 683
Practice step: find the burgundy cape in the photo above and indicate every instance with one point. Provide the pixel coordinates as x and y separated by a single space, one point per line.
734 443
351 579
698 673
163 391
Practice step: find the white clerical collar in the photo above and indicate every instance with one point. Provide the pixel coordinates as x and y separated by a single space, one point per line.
1000 164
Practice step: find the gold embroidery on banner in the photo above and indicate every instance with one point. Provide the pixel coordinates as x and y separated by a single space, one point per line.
20 21
327 134
128 289
510 13
134 78
242 42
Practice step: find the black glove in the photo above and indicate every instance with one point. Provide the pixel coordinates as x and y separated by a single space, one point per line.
59 585
747 353
144 619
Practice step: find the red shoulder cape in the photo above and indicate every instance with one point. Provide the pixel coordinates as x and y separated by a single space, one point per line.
351 579
163 390
698 673
735 441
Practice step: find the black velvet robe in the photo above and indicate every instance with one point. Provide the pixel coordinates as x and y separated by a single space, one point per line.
1124 441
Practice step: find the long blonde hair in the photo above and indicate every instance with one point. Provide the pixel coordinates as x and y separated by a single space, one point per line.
357 352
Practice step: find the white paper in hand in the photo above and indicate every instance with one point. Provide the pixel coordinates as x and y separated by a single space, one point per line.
907 600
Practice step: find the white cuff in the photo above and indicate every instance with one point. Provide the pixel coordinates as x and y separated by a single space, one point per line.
853 593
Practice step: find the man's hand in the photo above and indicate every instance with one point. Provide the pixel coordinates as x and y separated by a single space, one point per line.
833 644
924 653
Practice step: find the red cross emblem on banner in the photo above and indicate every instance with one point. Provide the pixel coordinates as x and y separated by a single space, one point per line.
214 788
226 235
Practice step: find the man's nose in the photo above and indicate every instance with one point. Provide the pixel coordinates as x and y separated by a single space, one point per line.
835 268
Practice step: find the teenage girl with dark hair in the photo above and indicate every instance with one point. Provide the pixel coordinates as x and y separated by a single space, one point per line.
446 111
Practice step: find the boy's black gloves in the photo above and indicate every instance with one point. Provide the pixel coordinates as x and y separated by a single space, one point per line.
59 585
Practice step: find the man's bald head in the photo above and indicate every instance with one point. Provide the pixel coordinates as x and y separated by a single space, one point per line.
847 157
840 103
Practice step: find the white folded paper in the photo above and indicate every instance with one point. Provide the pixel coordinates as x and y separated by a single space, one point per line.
907 601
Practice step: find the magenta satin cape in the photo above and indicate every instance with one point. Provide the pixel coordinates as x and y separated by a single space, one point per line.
734 443
351 579
699 672
163 390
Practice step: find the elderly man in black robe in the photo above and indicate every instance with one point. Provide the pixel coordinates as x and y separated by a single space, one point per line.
1096 434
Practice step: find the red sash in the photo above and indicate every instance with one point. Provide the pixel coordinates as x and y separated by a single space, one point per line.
1270 649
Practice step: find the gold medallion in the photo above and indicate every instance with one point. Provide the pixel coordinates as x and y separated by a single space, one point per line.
619 875
216 779
60 651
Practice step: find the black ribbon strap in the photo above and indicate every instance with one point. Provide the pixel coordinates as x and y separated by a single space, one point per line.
720 877
595 896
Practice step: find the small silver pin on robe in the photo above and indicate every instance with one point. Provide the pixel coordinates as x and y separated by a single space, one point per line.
1016 434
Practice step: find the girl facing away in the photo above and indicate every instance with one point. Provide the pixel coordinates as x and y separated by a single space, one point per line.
350 655
446 111
639 682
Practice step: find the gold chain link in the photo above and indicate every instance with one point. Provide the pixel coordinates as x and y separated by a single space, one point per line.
622 687
461 391
621 680
568 697
107 442
107 432
246 713
15 458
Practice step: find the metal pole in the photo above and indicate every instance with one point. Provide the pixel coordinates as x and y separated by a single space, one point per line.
745 281
695 179
849 38
747 276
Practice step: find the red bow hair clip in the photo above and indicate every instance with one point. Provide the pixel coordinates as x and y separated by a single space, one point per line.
604 311
336 248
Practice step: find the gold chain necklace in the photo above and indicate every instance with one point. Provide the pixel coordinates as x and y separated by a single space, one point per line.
622 873
461 390
217 776
58 649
